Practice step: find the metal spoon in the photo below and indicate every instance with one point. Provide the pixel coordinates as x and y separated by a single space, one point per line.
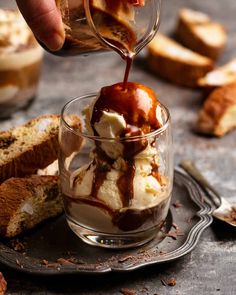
225 211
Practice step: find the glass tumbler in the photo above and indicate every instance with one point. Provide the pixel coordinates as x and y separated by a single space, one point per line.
114 201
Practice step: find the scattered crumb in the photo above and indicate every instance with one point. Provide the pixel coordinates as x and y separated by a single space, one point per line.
17 245
44 262
177 204
63 261
202 199
3 284
125 258
19 264
175 226
189 220
170 282
126 291
144 290
162 252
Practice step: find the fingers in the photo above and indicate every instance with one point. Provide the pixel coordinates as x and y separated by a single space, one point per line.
44 19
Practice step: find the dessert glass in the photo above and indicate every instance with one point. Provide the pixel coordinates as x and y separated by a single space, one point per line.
92 185
20 62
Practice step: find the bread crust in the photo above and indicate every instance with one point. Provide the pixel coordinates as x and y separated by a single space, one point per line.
215 108
186 32
14 192
37 156
180 71
221 76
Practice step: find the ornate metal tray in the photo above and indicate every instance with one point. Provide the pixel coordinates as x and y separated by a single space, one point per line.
53 249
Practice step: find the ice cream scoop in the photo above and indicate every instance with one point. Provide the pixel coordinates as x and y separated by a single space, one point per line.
123 173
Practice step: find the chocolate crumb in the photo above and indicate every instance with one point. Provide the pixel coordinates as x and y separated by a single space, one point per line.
126 291
63 261
144 290
177 204
44 262
170 282
125 258
175 226
189 220
3 284
17 262
202 199
172 234
17 245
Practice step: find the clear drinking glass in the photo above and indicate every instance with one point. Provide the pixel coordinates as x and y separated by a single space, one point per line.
98 25
117 204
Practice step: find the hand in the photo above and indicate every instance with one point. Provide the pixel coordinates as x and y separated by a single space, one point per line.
44 19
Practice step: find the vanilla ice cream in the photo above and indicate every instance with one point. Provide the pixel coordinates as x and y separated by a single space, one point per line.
122 180
20 61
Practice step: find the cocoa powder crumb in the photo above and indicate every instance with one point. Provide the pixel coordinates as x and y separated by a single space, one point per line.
126 291
3 284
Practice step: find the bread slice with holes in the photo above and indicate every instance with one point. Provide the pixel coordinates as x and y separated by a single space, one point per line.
218 115
221 76
172 61
27 201
198 32
29 147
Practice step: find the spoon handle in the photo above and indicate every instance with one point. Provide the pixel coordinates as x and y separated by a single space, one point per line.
192 170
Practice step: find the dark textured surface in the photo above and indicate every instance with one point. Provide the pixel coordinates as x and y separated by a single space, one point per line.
210 269
54 240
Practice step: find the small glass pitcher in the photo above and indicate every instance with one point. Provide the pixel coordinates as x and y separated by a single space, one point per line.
125 26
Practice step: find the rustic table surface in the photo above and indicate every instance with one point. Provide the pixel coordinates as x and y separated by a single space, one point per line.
211 267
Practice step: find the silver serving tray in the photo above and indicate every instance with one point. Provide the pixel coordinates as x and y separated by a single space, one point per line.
188 216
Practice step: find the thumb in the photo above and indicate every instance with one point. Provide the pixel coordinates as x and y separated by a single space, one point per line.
44 19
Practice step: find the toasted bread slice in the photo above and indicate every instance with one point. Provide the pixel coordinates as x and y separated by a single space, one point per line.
219 77
176 63
198 32
27 201
218 115
24 149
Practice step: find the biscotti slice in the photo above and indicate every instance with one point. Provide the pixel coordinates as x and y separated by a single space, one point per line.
176 63
27 201
24 149
219 77
218 115
3 284
198 32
